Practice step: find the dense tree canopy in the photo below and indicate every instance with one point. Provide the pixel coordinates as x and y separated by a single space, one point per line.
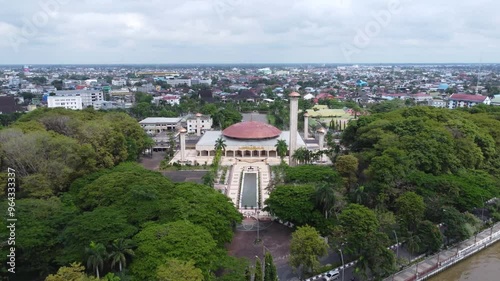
295 203
49 148
403 149
181 240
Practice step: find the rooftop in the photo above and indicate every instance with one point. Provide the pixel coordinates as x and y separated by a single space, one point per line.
209 137
466 97
154 120
251 130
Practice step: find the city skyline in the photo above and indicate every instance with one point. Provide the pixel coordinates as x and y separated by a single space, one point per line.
248 32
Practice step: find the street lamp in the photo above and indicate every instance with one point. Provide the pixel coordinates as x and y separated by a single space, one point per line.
343 266
258 226
397 244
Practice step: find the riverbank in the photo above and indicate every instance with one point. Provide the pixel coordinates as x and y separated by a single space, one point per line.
447 258
483 266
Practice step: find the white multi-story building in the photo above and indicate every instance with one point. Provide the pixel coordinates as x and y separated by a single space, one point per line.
438 103
465 100
179 81
89 97
156 125
205 120
119 82
201 81
74 103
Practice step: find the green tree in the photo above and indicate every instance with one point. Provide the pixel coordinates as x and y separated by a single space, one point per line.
220 144
306 248
180 240
248 274
281 149
347 166
102 225
120 250
178 270
258 270
456 229
206 207
96 253
75 272
430 236
271 273
358 222
413 242
411 209
296 204
325 197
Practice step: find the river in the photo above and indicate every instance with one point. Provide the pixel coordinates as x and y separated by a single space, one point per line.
483 266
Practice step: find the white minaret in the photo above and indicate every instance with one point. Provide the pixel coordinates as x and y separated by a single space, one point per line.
321 133
294 111
198 124
182 134
306 126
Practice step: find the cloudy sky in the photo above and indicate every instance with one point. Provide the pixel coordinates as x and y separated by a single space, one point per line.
248 31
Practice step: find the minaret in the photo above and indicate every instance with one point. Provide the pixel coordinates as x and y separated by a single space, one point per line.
182 134
198 124
321 132
306 126
294 111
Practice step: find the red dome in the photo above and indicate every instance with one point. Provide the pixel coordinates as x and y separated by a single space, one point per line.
251 130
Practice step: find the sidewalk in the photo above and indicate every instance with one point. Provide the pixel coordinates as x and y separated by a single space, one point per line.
446 258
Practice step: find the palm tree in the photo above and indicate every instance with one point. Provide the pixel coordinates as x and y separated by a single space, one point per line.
119 251
220 144
325 197
302 155
95 256
281 149
413 243
359 194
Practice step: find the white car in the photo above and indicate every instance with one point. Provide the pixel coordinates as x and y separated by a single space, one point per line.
333 275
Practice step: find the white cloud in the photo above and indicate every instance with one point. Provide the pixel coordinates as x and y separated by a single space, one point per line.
167 31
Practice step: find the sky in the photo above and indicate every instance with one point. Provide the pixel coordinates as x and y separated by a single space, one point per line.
248 31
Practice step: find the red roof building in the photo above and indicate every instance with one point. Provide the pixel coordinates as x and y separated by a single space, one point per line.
465 100
251 130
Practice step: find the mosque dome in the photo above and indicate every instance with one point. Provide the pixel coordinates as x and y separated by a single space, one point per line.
251 130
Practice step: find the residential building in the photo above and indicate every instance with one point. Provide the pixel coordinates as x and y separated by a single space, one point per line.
205 120
438 103
108 105
169 99
156 125
465 100
119 82
201 81
89 97
179 81
422 97
496 100
68 102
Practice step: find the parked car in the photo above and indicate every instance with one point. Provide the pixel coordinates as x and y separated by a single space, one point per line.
333 275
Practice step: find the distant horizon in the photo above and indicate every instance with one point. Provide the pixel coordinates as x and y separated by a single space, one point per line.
246 63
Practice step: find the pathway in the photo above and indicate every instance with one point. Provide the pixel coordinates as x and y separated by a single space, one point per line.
434 264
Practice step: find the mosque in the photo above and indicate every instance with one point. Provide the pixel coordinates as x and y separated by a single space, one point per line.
247 140
249 152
